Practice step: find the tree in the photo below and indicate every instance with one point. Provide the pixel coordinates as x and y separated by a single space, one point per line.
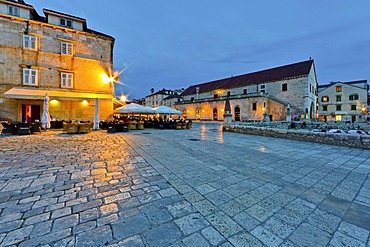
152 90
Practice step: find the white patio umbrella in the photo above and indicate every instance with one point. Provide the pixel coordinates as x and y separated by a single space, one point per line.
45 115
96 116
135 108
166 110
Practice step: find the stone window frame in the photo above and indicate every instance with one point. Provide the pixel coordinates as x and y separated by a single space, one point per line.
245 91
338 107
66 79
338 98
254 106
284 87
66 48
324 108
64 22
29 42
263 88
30 76
353 97
13 10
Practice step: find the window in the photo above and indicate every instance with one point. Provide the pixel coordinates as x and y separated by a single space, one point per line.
30 77
65 22
215 95
310 88
245 91
324 99
324 107
338 88
228 93
263 88
66 80
29 42
192 99
338 98
353 107
12 10
66 48
254 106
353 97
339 107
284 87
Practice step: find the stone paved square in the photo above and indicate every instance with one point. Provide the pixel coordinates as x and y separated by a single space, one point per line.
163 189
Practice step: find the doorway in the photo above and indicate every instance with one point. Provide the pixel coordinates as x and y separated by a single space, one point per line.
237 113
30 113
215 115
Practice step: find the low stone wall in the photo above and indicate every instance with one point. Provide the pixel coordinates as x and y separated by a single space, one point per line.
349 140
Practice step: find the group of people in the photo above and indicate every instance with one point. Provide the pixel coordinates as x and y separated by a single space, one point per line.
167 123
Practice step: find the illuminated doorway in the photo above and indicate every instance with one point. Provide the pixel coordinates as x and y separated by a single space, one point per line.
197 114
215 115
237 113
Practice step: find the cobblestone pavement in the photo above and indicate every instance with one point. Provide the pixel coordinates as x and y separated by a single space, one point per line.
198 187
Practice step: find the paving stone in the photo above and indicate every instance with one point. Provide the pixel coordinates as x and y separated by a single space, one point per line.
45 239
95 237
10 217
108 209
87 205
213 236
107 219
195 240
243 239
353 231
90 214
37 218
41 228
155 215
246 221
115 198
179 209
219 197
307 235
163 235
66 242
61 212
82 227
278 227
130 226
205 207
224 224
266 236
324 221
191 223
134 241
17 236
147 198
65 222
339 239
129 203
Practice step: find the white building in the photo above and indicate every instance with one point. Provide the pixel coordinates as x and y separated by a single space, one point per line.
343 101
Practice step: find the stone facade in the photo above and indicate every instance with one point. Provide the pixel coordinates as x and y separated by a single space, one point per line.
157 99
255 94
70 62
343 101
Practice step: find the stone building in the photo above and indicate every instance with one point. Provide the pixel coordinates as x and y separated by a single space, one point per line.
156 98
256 95
343 101
55 54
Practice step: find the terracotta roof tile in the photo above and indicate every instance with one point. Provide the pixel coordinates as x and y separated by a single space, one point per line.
269 75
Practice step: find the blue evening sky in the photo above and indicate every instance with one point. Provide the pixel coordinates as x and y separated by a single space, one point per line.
177 43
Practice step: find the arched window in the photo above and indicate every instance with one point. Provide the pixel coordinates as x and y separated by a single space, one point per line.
237 113
197 114
215 115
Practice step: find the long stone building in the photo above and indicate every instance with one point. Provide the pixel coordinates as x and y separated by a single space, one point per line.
256 95
55 54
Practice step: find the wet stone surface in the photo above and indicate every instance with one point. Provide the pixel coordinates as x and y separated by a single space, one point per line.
198 187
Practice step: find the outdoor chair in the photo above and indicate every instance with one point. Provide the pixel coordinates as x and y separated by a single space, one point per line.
8 128
72 128
111 128
140 125
183 125
84 128
36 128
23 129
132 126
189 125
179 126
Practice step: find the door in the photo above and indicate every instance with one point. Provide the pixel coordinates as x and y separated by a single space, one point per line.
237 113
30 113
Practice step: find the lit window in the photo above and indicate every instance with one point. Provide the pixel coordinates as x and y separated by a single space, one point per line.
338 98
66 48
29 42
65 23
324 99
353 97
338 88
12 10
284 87
30 77
66 80
353 107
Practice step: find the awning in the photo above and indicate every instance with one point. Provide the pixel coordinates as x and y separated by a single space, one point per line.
39 94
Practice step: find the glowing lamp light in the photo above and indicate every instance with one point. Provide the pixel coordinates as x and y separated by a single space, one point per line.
263 108
107 79
123 98
54 102
203 110
187 111
222 109
84 102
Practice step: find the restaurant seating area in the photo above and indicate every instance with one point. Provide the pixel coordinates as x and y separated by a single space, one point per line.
76 128
18 128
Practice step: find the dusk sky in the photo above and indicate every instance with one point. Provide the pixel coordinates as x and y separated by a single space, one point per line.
174 44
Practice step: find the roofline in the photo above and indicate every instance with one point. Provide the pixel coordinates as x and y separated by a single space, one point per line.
24 5
343 82
76 18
